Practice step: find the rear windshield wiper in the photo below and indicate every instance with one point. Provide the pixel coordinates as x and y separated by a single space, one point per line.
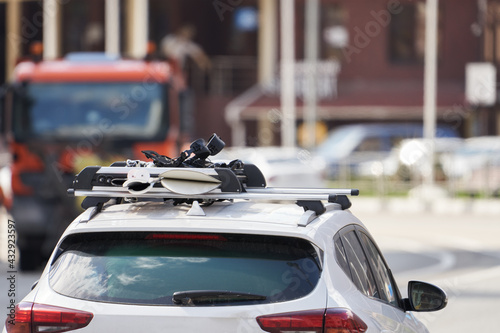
193 297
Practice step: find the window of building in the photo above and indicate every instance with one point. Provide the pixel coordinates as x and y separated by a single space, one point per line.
82 26
407 34
335 35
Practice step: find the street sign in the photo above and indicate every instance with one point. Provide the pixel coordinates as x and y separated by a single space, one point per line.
480 83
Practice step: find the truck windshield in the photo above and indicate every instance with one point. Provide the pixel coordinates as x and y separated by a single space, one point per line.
130 110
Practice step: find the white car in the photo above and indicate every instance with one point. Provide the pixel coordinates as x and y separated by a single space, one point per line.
212 262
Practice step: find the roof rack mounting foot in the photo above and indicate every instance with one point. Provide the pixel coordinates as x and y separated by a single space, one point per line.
315 206
94 202
195 209
340 199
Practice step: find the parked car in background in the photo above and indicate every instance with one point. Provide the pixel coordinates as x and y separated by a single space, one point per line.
348 147
281 166
475 165
408 159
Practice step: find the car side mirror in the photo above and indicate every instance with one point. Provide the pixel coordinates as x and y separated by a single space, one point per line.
425 297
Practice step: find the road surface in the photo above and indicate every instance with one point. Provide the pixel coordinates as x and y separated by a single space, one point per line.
459 252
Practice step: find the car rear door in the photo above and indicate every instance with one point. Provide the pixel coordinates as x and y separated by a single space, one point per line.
183 282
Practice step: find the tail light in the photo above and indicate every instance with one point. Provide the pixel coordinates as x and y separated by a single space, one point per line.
343 320
34 318
200 237
313 321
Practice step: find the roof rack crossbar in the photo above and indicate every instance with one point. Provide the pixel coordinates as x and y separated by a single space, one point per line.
285 194
300 190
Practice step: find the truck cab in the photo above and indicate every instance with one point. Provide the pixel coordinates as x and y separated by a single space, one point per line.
61 114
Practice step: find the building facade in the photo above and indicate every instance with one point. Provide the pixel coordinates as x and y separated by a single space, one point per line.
378 46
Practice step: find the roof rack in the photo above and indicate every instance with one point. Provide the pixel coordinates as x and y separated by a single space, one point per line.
187 183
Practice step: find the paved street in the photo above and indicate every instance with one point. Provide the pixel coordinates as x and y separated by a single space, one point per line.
458 251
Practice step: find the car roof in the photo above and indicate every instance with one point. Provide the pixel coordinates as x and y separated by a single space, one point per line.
239 216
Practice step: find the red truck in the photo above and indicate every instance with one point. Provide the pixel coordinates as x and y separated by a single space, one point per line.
60 115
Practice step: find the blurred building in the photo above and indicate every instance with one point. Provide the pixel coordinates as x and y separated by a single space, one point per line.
379 48
371 55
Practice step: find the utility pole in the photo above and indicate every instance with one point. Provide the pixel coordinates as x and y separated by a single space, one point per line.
50 29
311 52
430 85
12 42
137 24
288 126
112 12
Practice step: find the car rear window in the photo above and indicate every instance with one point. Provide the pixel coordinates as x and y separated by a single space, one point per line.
150 268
